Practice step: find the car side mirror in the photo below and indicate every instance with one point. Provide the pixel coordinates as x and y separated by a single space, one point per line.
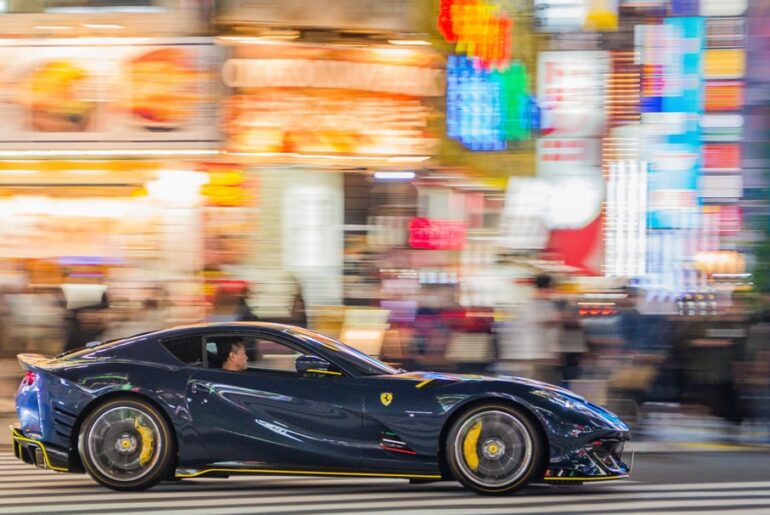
313 365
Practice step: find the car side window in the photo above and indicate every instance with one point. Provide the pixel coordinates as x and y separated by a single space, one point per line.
186 349
262 354
274 356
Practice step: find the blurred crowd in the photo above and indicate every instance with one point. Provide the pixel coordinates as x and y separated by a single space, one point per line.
622 355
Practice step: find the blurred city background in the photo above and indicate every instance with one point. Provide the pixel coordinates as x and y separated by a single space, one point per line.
570 190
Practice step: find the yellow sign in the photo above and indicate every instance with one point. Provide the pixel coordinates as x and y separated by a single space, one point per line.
386 398
724 63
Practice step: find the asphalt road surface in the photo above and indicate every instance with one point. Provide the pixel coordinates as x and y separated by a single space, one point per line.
674 483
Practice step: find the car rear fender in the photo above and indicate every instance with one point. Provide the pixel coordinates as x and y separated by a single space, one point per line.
31 407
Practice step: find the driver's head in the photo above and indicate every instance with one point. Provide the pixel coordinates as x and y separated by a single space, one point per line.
233 354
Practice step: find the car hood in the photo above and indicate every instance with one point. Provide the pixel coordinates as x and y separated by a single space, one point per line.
455 378
554 394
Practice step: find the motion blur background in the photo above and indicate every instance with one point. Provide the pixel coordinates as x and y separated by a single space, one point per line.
570 190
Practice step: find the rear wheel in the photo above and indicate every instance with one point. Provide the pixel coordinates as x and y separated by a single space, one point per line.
494 449
126 444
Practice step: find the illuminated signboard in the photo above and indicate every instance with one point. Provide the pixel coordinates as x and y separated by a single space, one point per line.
479 28
486 109
723 95
725 157
122 94
723 7
724 63
684 7
725 32
487 102
571 92
431 234
676 160
576 15
330 101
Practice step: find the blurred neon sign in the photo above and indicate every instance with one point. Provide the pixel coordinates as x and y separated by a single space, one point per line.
316 73
486 108
479 28
487 101
426 233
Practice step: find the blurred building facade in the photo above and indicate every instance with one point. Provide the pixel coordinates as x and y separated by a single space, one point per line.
393 173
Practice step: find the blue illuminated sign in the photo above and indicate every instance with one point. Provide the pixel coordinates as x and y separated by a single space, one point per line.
677 161
487 108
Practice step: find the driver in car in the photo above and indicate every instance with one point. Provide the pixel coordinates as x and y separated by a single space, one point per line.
234 354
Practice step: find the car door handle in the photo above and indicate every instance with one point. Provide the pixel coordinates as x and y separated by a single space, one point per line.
198 388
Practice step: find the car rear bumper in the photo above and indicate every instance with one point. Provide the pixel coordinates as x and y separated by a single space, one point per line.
37 453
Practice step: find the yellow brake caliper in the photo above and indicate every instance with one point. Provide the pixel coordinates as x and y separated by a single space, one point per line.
469 446
147 442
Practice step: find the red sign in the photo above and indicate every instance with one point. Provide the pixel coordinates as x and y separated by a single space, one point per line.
425 233
581 248
722 156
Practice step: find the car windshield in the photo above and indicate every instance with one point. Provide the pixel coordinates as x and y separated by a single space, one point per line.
346 355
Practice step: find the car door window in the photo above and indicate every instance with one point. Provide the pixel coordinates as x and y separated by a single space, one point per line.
263 354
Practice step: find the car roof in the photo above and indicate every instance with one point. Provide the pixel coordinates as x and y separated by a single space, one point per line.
184 330
222 326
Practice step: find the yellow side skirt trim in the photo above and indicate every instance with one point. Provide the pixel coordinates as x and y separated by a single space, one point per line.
17 437
592 478
306 473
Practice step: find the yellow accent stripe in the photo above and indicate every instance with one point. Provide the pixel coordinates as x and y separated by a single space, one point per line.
593 478
307 473
469 446
20 438
420 385
328 372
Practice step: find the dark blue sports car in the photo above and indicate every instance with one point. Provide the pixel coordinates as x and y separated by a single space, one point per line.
257 398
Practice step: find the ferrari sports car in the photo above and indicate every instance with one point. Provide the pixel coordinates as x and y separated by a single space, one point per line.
257 398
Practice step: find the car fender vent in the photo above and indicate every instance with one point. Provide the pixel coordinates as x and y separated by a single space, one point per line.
62 411
390 441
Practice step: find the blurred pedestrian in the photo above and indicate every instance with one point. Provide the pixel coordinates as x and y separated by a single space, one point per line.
86 324
231 305
298 312
529 344
572 339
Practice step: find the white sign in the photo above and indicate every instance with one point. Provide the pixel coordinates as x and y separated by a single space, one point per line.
714 187
575 15
555 155
571 93
534 206
559 15
723 7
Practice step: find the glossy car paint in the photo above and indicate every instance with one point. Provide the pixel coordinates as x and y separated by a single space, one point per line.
384 424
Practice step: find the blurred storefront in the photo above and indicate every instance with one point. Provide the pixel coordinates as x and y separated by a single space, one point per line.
321 99
111 114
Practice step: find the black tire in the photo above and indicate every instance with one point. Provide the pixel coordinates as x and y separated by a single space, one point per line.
495 449
126 444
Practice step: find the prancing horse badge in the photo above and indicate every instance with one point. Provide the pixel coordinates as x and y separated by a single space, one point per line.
386 398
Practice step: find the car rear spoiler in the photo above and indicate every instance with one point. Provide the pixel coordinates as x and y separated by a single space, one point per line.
34 361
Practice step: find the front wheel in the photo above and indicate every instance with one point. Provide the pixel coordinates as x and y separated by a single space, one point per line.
126 444
494 449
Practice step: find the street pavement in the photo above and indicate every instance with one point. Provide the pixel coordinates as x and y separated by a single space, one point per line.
662 483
